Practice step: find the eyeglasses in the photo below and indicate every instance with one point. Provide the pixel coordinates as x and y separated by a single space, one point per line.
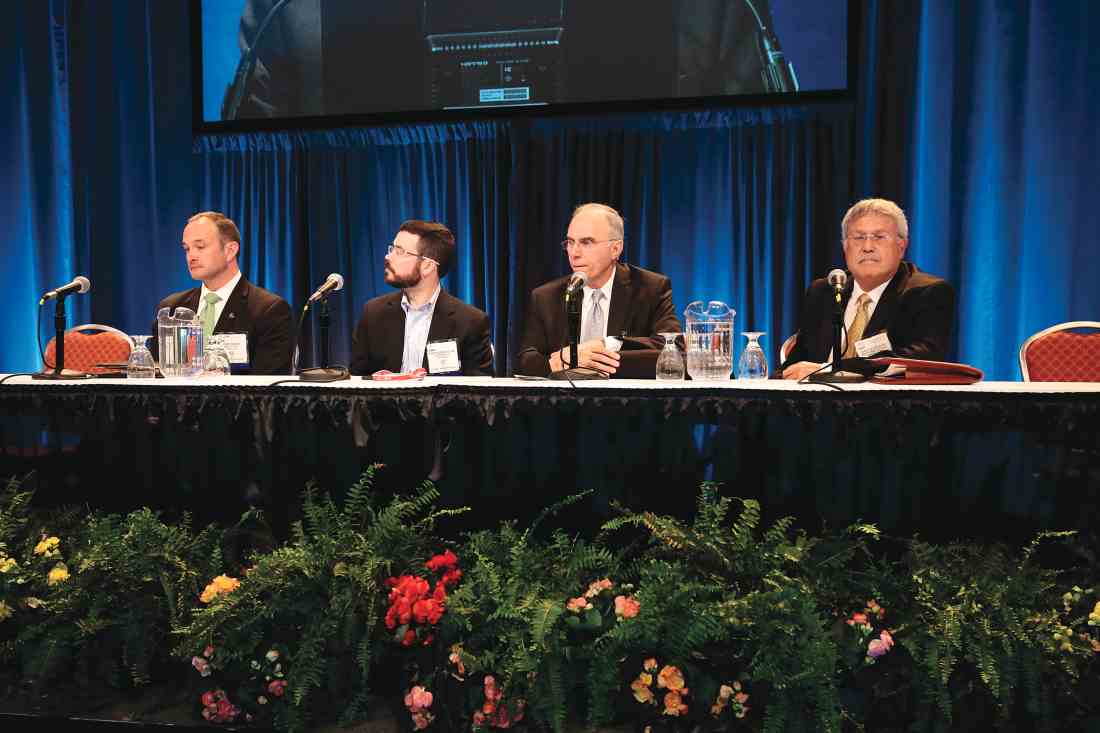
877 237
586 243
401 252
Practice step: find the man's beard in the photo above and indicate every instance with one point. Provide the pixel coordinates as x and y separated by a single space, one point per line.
402 282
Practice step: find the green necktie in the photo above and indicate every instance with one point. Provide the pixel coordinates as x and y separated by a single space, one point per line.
208 317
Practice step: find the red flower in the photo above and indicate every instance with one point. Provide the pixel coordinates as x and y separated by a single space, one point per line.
409 639
443 561
451 577
277 687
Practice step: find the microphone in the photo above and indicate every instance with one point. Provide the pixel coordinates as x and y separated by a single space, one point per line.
838 279
576 283
80 284
334 282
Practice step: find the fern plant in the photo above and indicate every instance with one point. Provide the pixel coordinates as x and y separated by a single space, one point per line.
319 598
728 601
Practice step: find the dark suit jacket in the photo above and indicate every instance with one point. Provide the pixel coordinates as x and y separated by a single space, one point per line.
380 336
261 314
917 311
641 307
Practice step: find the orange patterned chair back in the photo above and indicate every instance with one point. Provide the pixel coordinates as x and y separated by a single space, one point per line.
1060 354
786 348
91 344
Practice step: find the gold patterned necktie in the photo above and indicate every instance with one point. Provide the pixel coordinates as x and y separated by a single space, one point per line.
859 324
208 319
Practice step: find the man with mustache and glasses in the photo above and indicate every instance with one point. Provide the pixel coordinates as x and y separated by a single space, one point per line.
421 325
890 306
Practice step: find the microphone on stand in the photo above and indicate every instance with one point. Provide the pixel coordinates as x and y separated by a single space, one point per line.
334 282
79 284
841 371
574 298
324 372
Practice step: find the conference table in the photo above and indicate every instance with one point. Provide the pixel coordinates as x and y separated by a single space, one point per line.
988 459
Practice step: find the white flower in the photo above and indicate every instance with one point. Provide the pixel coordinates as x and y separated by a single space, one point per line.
255 664
278 668
262 700
272 655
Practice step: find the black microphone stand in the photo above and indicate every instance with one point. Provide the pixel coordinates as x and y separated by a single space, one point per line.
59 370
574 298
837 375
324 372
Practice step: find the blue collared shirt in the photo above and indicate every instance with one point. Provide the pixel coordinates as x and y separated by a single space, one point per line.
417 323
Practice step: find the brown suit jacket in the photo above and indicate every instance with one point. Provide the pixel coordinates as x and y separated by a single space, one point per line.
379 338
917 311
641 309
261 314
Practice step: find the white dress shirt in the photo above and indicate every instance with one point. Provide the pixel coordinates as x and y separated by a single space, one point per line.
418 320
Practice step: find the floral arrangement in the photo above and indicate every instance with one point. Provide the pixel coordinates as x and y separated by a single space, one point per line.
672 628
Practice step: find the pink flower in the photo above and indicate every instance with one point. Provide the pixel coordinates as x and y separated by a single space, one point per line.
578 604
201 665
626 606
277 687
418 699
422 720
208 651
878 647
596 587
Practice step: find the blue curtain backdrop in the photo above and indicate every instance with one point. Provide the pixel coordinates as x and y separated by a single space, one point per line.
979 121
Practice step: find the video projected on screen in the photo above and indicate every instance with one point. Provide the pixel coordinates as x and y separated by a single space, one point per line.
288 59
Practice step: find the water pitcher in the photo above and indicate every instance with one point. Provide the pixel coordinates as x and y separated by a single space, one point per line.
709 338
180 341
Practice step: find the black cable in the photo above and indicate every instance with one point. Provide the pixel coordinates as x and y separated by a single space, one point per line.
826 365
38 332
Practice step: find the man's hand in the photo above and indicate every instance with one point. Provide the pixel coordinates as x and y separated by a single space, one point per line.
592 354
800 369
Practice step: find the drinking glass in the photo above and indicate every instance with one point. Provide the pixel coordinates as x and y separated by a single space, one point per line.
753 363
670 364
215 361
140 365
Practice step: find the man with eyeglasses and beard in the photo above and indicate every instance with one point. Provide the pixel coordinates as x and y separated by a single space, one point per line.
890 306
620 301
421 325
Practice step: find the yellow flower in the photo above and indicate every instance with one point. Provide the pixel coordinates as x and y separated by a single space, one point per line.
1094 617
219 586
46 546
6 611
8 564
640 686
670 678
59 574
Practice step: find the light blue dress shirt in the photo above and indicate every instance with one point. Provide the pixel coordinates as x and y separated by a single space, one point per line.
417 323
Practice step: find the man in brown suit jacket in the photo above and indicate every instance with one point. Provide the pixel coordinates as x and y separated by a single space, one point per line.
634 305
